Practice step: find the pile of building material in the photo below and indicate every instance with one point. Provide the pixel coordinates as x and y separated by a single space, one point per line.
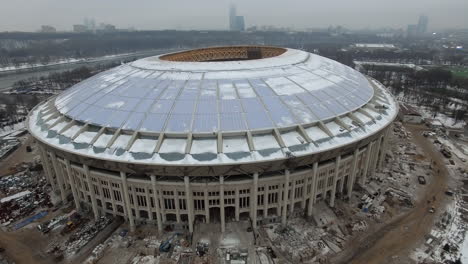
84 235
23 194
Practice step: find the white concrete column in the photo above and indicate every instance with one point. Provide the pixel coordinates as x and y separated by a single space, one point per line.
388 135
177 209
285 198
123 177
156 203
313 189
135 204
335 179
148 204
73 186
254 200
59 176
237 204
352 175
265 201
293 194
114 206
163 208
188 198
221 203
47 169
366 165
375 156
207 207
91 191
304 192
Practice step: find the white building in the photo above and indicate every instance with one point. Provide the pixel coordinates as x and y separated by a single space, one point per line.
214 135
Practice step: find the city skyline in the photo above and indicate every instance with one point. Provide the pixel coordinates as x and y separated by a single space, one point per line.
298 14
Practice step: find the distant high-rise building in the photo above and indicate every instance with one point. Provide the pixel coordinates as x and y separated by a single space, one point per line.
236 23
48 29
422 24
232 17
420 28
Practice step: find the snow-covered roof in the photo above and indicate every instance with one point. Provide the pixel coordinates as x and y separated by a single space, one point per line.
156 111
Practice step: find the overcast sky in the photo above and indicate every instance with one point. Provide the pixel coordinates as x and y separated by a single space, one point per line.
28 15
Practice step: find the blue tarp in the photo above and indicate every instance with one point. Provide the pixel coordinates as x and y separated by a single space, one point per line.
30 220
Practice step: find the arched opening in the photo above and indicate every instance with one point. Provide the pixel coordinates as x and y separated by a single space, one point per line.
230 213
215 215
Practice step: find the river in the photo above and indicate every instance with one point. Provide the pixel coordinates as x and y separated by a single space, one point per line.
7 79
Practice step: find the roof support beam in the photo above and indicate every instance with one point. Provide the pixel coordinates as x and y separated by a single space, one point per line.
278 137
131 141
325 129
100 132
364 112
303 133
67 126
83 128
356 119
160 141
219 142
188 147
250 141
341 123
113 138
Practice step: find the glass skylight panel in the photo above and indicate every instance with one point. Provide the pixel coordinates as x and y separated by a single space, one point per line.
258 120
261 88
244 89
278 111
252 105
156 91
230 106
118 102
136 88
116 119
320 111
232 122
207 107
335 106
300 111
226 90
162 106
144 106
205 123
172 91
283 86
153 122
348 104
77 110
183 107
91 112
133 121
95 97
179 123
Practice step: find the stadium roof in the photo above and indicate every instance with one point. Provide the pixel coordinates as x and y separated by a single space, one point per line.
214 106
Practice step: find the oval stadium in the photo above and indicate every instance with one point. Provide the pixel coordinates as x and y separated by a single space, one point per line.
214 135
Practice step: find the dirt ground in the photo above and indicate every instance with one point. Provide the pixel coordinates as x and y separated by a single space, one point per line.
392 242
18 156
24 246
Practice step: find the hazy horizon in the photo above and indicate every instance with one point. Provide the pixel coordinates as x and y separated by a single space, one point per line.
29 15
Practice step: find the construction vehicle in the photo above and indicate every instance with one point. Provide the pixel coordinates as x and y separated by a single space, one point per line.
166 245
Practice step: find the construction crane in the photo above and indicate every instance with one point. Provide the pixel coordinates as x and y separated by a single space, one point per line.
166 245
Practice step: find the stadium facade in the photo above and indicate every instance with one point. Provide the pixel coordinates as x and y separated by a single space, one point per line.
214 135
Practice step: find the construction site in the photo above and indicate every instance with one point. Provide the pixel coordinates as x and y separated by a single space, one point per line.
361 187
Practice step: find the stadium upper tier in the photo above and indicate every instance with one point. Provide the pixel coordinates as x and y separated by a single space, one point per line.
213 106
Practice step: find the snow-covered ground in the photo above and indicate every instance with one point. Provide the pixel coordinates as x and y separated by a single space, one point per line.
5 131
